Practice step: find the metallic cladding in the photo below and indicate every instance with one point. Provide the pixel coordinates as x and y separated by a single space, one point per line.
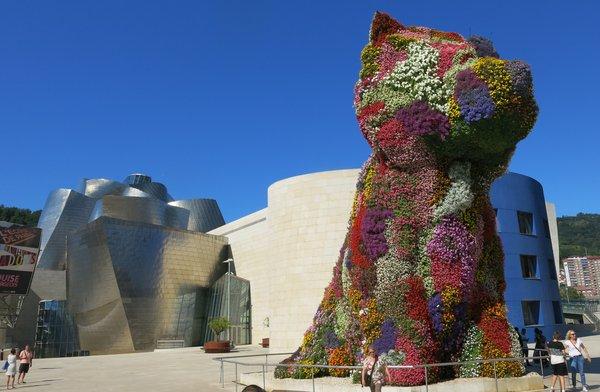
205 214
130 283
144 201
156 189
96 188
65 211
145 210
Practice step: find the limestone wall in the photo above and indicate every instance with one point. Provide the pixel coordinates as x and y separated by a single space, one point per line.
288 250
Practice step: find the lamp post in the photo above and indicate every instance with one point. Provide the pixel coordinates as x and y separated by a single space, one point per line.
228 261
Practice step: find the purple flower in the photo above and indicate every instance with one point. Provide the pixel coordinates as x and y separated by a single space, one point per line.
387 339
476 104
436 308
419 118
483 46
452 244
331 340
467 80
520 74
372 233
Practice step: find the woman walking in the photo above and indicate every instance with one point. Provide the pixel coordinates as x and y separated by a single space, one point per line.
557 360
577 352
374 372
11 371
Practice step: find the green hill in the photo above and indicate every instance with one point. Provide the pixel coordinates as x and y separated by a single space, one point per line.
576 233
21 216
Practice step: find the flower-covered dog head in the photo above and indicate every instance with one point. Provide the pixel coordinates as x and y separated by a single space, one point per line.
425 94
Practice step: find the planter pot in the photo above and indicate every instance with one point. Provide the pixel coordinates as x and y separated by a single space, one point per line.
217 347
265 342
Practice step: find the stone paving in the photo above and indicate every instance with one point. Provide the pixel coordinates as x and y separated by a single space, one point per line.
187 369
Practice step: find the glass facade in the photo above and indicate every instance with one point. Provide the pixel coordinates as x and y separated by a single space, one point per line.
237 309
55 333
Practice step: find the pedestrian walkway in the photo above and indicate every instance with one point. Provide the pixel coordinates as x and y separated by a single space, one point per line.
188 369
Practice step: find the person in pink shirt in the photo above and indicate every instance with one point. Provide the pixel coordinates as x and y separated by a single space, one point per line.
25 363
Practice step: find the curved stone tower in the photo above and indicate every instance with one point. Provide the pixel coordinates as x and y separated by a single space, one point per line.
420 275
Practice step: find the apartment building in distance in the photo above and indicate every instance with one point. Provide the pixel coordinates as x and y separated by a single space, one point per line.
583 274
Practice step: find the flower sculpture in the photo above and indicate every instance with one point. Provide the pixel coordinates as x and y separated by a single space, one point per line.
420 276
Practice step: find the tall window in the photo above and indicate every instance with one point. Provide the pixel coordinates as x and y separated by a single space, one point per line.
529 266
525 222
558 318
531 312
552 269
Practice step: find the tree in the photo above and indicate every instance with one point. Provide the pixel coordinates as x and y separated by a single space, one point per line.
568 293
218 325
20 216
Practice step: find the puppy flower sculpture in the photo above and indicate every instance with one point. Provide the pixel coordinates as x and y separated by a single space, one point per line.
420 276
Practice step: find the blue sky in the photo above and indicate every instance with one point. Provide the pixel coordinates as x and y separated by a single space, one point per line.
220 99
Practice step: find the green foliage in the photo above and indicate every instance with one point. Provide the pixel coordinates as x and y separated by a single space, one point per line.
21 216
472 351
399 42
579 233
570 293
369 57
218 325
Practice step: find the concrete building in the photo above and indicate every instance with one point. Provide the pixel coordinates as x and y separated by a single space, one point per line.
288 250
553 227
532 294
583 274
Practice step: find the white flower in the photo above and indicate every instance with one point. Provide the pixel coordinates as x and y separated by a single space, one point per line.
459 196
416 77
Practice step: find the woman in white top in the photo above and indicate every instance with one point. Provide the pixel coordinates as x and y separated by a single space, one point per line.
576 351
11 371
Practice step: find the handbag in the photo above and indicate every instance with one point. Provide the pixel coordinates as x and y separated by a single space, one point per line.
584 356
5 366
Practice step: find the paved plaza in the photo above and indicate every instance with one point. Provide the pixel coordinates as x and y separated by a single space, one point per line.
187 369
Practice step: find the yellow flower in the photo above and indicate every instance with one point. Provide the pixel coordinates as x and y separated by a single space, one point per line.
453 110
493 72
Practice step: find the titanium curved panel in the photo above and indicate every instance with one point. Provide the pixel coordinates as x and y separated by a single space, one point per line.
156 189
64 212
156 274
98 187
137 179
142 209
205 214
93 294
97 211
134 192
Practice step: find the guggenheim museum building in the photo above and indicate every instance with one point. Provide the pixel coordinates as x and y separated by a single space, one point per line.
125 267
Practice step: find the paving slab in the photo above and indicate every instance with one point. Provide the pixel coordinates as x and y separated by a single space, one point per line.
188 369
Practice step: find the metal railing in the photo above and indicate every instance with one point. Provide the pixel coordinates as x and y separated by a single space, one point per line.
233 360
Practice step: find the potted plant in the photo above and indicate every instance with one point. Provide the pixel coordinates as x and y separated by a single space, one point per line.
218 325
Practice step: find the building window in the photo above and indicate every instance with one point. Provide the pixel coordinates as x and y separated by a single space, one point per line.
525 222
529 266
531 312
546 228
552 269
558 319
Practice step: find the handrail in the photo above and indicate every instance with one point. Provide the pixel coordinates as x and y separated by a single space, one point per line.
347 367
426 366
